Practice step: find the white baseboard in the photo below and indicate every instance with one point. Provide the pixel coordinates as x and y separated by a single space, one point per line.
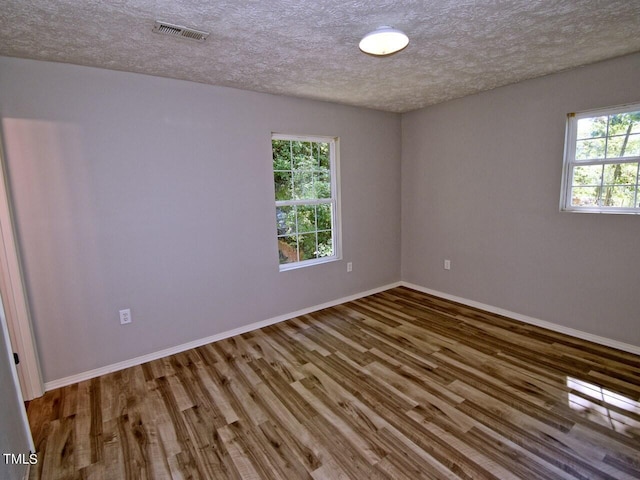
80 377
530 320
63 382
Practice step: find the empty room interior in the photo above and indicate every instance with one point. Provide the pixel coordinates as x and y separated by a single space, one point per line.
320 240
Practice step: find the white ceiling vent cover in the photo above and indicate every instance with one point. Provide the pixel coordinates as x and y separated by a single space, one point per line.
165 28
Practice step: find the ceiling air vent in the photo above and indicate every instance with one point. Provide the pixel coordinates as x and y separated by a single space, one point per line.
178 31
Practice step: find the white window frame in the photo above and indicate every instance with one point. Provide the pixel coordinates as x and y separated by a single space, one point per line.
334 201
570 162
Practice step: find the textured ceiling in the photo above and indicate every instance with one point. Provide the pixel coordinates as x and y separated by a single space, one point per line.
309 48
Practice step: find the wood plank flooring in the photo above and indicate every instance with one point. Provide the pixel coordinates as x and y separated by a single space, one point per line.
397 385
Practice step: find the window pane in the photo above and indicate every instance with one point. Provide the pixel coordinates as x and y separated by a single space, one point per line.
623 146
307 246
323 155
618 196
590 149
587 175
288 249
325 244
316 155
306 218
286 220
614 144
324 216
592 127
281 154
622 173
323 185
585 196
623 123
303 188
283 185
633 146
302 155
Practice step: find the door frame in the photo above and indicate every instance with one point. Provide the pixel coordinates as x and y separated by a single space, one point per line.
16 381
14 298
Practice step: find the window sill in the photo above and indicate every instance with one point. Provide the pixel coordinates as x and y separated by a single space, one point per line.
609 211
308 263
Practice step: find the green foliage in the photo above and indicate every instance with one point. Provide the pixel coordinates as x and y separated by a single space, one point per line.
302 172
609 185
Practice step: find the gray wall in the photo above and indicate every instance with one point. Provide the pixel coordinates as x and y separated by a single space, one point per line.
481 186
157 195
13 438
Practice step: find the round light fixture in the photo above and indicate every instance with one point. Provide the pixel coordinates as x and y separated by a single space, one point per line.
384 41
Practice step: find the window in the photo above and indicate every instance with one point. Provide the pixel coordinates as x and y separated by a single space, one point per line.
602 155
306 193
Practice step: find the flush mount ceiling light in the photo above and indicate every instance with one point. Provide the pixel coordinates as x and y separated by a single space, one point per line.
384 41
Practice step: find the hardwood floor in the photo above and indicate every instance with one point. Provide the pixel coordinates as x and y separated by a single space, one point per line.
397 385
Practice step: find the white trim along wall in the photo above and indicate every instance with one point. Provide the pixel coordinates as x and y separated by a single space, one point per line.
12 289
62 382
203 341
626 347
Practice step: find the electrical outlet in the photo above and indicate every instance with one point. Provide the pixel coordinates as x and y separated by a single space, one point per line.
349 266
447 264
125 316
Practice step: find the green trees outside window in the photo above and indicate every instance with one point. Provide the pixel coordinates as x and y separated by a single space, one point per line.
305 202
603 160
